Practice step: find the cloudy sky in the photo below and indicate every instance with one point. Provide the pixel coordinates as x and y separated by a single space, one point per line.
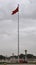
9 26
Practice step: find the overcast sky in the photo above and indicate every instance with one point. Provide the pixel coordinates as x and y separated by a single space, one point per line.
9 26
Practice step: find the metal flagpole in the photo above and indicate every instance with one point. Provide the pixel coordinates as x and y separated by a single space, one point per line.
14 12
18 32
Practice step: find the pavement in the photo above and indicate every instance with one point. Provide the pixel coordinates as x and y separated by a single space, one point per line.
18 64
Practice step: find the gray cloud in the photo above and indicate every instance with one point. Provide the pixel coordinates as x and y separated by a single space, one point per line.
26 11
9 27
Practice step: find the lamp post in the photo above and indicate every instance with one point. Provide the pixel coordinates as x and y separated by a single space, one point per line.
25 55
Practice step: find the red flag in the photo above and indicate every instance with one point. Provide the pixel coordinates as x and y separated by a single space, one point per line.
15 11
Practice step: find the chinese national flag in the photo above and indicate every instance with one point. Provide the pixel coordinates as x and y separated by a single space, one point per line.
15 11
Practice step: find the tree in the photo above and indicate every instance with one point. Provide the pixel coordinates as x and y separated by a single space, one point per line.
21 55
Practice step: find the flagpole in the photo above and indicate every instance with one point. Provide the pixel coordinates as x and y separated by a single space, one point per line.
18 32
13 12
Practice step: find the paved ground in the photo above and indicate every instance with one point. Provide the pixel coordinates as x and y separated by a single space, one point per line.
23 64
18 64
